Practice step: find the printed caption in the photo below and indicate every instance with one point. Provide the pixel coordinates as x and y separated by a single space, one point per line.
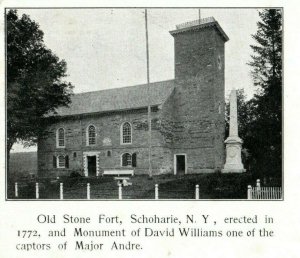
113 233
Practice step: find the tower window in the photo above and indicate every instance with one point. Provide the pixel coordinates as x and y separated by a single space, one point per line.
108 153
126 133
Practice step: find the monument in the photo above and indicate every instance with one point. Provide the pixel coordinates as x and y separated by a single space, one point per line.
233 142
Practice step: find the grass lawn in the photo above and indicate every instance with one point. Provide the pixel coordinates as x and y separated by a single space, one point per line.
212 186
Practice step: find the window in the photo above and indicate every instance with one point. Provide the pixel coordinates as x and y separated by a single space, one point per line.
126 133
60 138
129 160
108 153
61 162
91 137
126 160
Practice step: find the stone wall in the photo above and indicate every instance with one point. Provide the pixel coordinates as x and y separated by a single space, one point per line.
219 89
107 127
199 99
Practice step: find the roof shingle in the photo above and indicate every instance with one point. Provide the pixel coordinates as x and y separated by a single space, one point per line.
117 99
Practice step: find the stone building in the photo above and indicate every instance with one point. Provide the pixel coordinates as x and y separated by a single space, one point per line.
108 129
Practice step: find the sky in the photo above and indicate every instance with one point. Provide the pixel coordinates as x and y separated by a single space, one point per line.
105 48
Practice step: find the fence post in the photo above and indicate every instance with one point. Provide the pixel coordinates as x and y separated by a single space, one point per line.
88 192
258 183
249 192
197 192
37 194
61 191
120 191
156 192
16 190
258 192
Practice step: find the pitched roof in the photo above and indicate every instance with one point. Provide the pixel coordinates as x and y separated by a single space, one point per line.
132 97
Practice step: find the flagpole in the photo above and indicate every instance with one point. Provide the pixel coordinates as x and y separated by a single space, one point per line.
148 93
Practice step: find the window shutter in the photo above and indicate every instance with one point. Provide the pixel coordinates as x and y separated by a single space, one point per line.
134 160
124 161
67 161
54 162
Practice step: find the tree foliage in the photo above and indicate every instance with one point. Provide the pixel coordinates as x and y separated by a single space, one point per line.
266 141
35 84
260 118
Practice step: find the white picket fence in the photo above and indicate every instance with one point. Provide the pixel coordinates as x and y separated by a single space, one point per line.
254 193
88 191
264 193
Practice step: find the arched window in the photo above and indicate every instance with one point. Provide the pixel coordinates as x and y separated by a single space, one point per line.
60 138
61 161
126 133
129 160
91 135
126 160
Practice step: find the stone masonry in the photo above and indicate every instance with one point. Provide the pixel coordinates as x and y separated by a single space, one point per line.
188 120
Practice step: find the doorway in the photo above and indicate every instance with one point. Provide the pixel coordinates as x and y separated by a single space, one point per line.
92 167
180 164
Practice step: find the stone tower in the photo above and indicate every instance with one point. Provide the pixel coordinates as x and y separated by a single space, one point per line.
199 94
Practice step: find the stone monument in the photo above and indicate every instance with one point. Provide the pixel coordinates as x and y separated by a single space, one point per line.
233 142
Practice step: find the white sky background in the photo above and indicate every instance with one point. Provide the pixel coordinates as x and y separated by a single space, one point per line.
105 48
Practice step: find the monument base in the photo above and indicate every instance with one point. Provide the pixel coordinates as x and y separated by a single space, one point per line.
233 156
233 170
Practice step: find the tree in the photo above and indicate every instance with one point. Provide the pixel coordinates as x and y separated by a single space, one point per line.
265 140
35 85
